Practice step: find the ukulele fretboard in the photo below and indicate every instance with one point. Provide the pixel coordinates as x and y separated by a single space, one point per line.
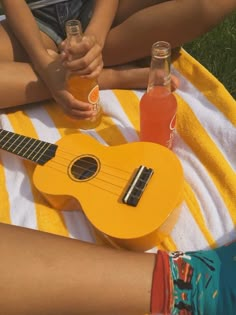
31 149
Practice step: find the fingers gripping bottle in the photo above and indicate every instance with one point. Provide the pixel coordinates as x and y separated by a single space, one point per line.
158 105
83 89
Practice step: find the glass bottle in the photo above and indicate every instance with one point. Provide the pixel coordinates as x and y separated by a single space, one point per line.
158 105
83 89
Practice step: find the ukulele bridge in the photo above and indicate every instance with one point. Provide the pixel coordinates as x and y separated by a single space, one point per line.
137 186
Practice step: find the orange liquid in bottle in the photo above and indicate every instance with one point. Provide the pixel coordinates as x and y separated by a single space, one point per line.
86 90
157 116
83 89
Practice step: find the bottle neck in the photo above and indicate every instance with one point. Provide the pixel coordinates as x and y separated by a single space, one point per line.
160 72
73 31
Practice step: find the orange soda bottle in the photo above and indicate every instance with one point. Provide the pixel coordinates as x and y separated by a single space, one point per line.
158 106
83 89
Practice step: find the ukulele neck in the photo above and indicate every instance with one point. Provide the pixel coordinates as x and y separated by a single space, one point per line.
28 148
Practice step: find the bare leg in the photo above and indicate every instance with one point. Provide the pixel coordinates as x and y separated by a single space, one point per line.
135 30
140 23
129 43
18 75
16 72
47 274
129 76
19 85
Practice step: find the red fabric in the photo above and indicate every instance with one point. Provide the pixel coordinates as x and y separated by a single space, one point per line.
160 294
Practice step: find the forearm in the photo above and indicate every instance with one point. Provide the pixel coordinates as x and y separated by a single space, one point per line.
103 16
25 29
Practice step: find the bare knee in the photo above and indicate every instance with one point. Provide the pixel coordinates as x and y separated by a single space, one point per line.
128 7
11 48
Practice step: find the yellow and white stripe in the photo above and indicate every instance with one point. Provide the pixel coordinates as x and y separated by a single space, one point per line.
205 143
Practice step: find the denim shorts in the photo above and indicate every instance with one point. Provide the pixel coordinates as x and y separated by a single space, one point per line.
51 19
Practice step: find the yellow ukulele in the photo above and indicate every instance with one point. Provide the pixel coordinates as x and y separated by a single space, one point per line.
130 193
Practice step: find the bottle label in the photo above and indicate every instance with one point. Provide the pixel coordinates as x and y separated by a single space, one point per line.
172 130
172 123
93 96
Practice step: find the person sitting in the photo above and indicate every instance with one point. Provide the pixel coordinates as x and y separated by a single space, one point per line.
118 36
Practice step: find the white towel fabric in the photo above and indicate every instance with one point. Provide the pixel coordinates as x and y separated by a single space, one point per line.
205 143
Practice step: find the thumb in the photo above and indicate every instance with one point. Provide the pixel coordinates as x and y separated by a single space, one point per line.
52 53
62 45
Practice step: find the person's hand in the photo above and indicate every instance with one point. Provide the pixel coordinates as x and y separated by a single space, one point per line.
54 76
174 83
84 57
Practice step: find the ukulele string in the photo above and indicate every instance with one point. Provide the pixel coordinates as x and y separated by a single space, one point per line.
73 157
94 164
79 152
121 188
79 168
89 182
78 173
30 150
59 148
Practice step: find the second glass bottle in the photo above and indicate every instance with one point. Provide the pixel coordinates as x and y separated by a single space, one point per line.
158 105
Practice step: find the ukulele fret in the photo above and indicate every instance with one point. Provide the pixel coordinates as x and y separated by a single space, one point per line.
22 139
46 155
6 143
137 186
5 133
13 142
22 146
38 143
29 148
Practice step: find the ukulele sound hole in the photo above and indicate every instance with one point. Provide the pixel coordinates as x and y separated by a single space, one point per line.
84 168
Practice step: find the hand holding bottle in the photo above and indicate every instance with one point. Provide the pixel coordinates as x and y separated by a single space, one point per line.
84 58
83 63
54 76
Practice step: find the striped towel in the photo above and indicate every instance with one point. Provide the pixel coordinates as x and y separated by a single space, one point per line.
205 143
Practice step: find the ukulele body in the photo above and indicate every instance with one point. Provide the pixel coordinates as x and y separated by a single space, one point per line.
101 178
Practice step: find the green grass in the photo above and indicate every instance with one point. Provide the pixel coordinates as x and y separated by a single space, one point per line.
216 50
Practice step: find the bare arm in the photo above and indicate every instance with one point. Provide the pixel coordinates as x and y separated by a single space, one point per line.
26 30
103 15
91 62
47 65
